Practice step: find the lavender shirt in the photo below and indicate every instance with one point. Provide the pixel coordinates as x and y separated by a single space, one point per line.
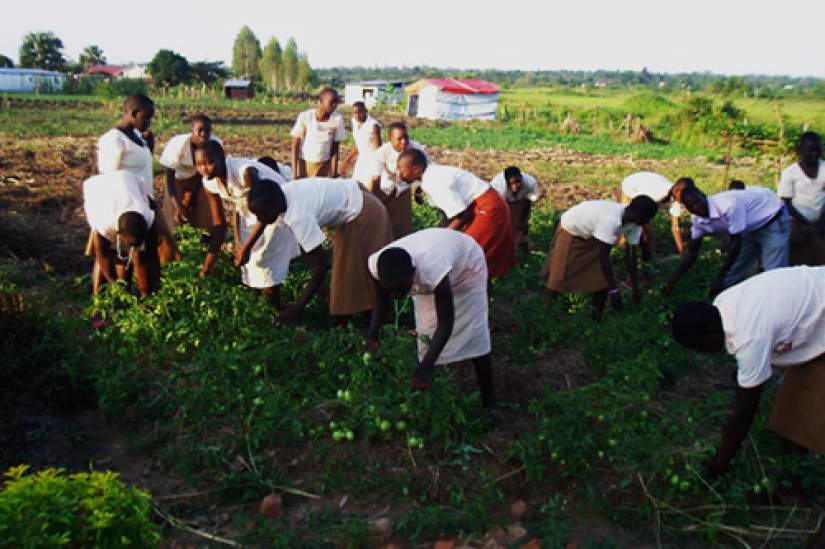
736 212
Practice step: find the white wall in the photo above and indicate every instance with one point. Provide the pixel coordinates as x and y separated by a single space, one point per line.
435 104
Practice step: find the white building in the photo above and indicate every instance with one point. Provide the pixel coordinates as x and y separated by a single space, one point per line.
373 92
31 81
452 99
135 72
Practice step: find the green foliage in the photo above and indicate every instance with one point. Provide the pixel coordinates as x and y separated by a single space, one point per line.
207 72
90 56
290 63
6 62
42 50
246 54
113 89
168 68
53 509
272 66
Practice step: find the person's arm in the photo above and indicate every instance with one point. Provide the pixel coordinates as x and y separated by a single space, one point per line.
350 160
217 233
376 136
445 315
676 231
181 211
104 260
318 266
795 213
458 222
745 406
141 273
607 271
243 252
632 269
685 264
379 312
296 149
333 158
734 247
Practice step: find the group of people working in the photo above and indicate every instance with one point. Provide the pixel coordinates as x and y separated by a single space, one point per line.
280 212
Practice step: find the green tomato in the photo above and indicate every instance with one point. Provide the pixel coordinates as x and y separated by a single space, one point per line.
674 480
347 396
337 436
684 486
366 358
400 425
403 407
385 426
350 435
601 454
340 394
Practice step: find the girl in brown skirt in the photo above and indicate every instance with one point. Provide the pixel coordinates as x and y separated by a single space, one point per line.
579 258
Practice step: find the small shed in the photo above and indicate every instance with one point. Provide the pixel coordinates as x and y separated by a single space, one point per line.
105 71
452 99
238 89
373 92
31 81
135 72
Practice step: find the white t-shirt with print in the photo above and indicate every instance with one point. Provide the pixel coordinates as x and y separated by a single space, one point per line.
316 136
602 220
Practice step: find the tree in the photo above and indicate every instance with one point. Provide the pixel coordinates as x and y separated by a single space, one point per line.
207 71
291 63
90 56
6 62
246 54
272 66
42 50
168 67
305 75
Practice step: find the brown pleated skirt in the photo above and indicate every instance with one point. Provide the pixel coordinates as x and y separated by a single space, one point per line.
805 248
572 265
799 410
352 244
192 194
399 208
313 169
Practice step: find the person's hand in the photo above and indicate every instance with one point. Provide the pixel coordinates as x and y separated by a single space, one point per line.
615 300
422 378
373 346
181 212
667 289
290 314
242 256
715 467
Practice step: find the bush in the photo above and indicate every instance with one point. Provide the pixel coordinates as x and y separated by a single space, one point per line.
111 89
94 509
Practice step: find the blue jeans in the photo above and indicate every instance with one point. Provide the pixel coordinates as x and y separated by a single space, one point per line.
770 243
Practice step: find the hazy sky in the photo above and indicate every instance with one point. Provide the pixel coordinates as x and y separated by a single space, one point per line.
723 36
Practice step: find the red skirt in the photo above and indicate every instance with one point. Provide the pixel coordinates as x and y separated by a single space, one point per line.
491 228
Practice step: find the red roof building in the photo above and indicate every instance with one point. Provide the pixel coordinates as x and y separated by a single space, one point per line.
107 71
452 99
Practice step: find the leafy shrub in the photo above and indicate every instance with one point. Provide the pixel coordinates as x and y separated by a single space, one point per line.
53 509
112 89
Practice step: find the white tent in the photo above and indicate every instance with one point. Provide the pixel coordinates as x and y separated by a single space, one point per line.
31 80
452 99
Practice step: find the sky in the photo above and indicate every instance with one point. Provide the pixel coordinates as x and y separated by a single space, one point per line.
719 36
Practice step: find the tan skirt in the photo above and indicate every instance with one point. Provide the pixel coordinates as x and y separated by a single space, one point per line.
352 244
313 169
799 410
192 194
572 264
520 219
805 248
399 208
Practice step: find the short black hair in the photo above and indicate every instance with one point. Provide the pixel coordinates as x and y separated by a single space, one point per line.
395 267
511 172
809 137
132 224
328 91
270 162
417 157
692 321
359 104
138 102
202 118
642 208
262 198
396 126
686 181
736 185
212 149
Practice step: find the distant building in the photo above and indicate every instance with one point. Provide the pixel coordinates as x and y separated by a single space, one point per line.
105 71
372 92
31 81
452 99
238 89
135 72
600 84
788 87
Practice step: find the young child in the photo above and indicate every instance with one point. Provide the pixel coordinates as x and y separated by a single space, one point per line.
316 137
519 190
445 272
470 205
361 226
366 132
124 232
579 258
262 253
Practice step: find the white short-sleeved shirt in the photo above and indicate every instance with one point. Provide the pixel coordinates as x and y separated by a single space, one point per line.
774 318
108 196
362 134
388 162
529 188
316 136
116 152
317 202
236 190
177 155
807 195
451 189
650 184
602 220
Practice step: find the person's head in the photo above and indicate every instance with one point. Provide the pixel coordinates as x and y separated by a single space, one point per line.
138 111
359 111
201 129
512 175
411 165
265 200
809 148
695 201
641 210
270 163
395 271
210 159
328 100
131 233
736 185
398 137
681 184
698 325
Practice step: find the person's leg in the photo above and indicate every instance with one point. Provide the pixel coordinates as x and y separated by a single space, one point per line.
743 265
647 242
775 243
599 300
273 294
484 376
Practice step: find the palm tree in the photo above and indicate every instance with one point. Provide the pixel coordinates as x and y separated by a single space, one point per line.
90 56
